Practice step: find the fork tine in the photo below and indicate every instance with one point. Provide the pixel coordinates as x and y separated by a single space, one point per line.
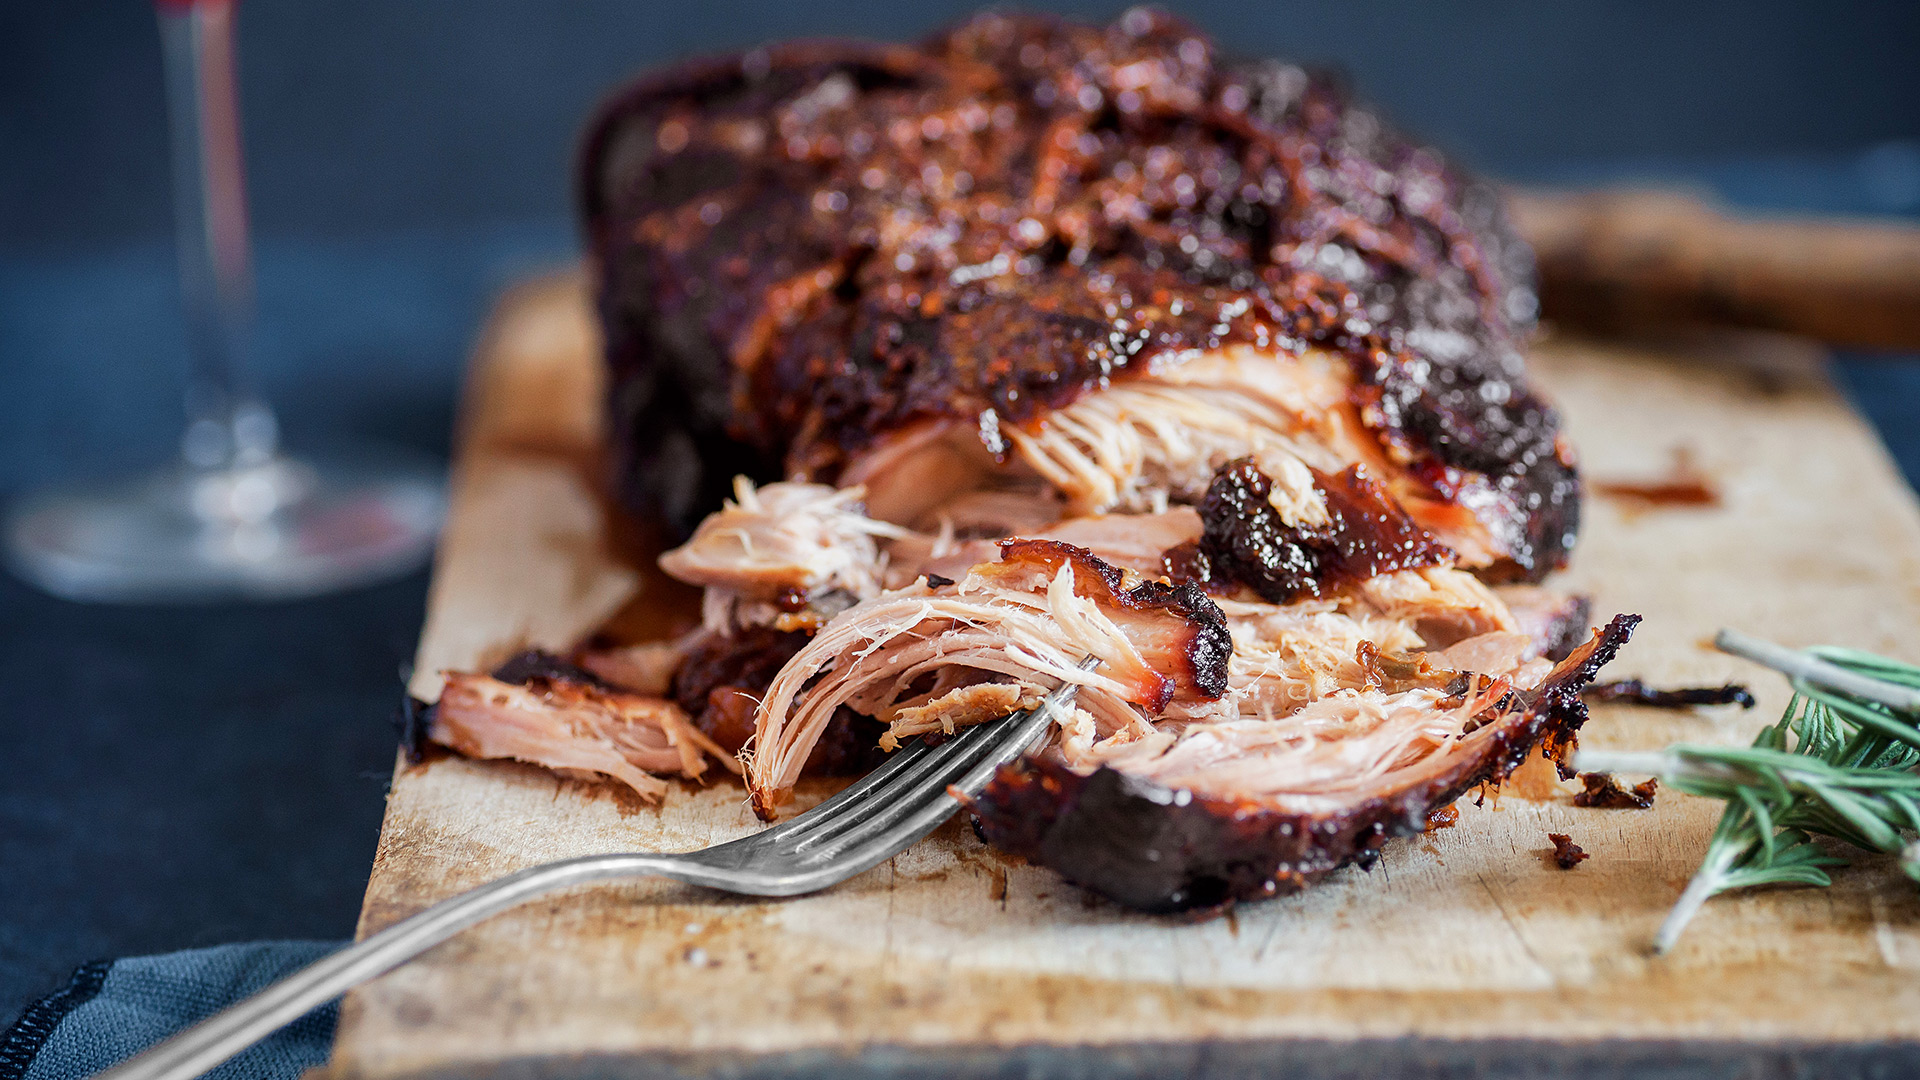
828 818
968 766
881 836
896 762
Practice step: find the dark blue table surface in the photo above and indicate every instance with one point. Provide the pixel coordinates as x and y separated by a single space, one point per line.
180 777
173 777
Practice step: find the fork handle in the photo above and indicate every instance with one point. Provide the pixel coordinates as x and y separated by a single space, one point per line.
226 1033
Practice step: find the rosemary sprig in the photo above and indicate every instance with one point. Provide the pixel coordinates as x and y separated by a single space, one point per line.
1840 763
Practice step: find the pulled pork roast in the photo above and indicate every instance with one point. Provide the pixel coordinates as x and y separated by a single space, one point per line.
1040 342
1030 249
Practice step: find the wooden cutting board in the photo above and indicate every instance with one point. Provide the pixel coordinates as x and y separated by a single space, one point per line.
1463 950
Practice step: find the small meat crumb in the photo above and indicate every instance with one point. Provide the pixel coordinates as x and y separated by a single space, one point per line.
1566 853
1605 793
1443 817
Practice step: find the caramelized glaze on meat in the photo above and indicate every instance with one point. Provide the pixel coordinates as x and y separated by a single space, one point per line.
723 678
1247 541
1197 633
805 248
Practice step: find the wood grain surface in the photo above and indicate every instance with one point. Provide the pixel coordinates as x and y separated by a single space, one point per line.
1463 951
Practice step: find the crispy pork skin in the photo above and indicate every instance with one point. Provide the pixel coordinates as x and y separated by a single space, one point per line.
817 252
1158 848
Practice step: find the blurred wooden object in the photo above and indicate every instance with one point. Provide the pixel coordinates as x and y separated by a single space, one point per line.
1630 260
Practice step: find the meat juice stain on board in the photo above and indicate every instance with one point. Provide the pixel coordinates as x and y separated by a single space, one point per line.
1685 486
626 802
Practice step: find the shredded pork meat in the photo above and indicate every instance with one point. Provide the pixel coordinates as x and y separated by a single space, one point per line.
1290 683
1299 704
573 725
1029 619
786 555
1157 440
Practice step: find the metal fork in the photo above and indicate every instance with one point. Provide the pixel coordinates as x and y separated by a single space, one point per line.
874 819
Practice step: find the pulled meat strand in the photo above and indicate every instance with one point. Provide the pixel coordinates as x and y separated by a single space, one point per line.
568 723
1140 445
785 555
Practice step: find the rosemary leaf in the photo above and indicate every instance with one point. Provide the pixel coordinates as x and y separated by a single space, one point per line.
1835 765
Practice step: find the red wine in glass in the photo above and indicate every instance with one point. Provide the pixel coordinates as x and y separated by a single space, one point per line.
235 517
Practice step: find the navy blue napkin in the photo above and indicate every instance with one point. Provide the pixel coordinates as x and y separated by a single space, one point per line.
114 1008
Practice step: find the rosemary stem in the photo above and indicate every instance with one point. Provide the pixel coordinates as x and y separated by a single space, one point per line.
1798 665
1700 888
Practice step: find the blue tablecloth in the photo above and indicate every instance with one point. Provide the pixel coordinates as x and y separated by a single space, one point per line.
110 1010
182 777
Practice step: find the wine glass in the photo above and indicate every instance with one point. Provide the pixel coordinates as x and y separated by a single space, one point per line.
234 518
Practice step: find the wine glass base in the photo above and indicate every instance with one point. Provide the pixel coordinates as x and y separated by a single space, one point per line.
281 530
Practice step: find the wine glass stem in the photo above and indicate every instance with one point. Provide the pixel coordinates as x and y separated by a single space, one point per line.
226 426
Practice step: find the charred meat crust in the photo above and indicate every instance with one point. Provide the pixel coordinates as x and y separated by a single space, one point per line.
722 680
524 667
1246 542
1636 692
803 248
413 719
1209 646
1156 849
1566 854
1569 624
1605 792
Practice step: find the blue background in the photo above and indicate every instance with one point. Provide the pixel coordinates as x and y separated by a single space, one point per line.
170 777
